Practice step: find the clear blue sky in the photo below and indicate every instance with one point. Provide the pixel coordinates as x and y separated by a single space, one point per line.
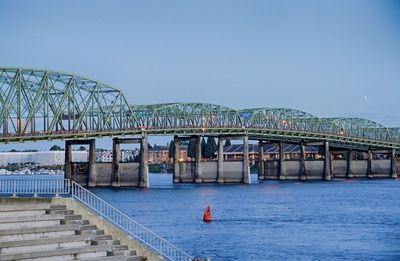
329 58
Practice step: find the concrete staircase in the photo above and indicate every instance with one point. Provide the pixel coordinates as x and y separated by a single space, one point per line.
52 232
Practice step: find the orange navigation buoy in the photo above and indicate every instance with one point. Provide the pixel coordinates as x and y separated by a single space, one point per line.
207 215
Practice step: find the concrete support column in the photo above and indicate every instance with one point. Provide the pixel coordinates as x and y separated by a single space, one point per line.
327 162
176 160
68 159
92 159
349 173
220 170
302 175
246 167
144 161
116 180
261 167
370 173
393 171
198 172
281 173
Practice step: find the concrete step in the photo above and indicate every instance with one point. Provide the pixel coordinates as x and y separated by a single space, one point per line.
37 232
77 222
72 217
124 253
23 207
102 237
77 253
109 242
119 247
30 221
58 207
116 258
96 232
57 211
43 244
21 213
87 227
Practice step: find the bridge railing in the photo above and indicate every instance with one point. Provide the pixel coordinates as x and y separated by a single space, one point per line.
127 224
34 187
69 188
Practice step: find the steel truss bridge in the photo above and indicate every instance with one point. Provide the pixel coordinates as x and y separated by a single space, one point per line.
40 104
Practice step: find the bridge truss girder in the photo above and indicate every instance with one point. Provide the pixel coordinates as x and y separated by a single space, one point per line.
40 104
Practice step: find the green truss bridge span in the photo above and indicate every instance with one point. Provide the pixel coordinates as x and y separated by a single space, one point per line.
39 104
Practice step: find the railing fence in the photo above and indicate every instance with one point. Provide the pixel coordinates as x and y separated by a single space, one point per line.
69 188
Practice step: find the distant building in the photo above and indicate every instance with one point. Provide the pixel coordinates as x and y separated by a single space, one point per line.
107 155
160 154
271 152
43 158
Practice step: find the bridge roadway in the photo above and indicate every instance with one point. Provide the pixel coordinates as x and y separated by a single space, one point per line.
40 105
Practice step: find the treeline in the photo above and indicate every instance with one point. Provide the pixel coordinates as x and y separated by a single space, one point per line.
208 148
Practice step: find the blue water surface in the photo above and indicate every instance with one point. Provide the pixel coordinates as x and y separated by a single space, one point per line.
271 220
268 220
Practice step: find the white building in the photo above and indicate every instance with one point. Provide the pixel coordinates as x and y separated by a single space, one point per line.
43 158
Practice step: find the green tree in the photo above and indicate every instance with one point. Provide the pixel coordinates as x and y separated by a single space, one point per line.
55 148
211 147
171 149
203 147
192 148
227 143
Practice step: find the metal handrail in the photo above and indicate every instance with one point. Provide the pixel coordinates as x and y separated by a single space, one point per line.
72 189
128 225
35 187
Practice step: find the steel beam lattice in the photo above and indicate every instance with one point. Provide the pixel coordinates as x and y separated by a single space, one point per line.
40 104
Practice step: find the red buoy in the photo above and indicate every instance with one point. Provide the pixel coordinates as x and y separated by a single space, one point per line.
207 215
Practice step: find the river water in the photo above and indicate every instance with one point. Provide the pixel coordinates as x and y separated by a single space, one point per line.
271 220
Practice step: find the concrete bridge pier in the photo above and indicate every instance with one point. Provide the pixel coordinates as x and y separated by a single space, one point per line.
176 174
302 174
327 162
393 171
144 166
92 175
220 164
125 175
281 173
349 172
198 170
116 180
370 173
261 166
246 167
